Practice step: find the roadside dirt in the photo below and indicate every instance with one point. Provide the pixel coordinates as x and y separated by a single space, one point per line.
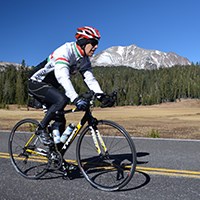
168 120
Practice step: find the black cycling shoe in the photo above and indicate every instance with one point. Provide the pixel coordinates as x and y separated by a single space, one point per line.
44 137
67 169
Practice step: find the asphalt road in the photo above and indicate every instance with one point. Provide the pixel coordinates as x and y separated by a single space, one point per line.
166 170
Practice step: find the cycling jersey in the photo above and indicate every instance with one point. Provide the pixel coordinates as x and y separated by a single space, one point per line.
65 61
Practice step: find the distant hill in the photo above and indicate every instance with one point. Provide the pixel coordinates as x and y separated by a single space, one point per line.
4 65
138 58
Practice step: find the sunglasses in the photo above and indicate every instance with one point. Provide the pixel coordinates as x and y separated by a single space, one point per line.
93 42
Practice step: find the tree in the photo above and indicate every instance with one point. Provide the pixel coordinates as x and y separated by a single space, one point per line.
20 87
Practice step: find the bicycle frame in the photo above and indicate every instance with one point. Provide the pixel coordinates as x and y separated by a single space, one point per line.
92 122
94 131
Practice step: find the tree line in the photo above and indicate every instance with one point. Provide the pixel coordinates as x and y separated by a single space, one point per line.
13 84
147 87
134 87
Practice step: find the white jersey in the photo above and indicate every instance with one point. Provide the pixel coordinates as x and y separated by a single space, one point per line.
64 62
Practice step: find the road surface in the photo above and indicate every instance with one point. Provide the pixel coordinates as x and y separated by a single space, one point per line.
166 170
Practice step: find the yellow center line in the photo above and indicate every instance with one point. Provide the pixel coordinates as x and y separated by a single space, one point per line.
169 172
148 170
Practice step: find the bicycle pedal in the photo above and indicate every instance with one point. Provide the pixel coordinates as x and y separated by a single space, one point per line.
66 174
72 168
65 177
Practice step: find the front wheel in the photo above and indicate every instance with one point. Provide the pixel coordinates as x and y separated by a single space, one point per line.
106 155
27 153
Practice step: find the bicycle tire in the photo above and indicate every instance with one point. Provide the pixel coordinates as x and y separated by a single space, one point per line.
109 172
28 160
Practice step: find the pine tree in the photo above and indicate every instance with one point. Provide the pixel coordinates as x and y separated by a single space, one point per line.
20 87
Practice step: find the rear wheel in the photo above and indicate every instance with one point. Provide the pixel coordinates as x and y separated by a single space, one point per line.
110 170
27 153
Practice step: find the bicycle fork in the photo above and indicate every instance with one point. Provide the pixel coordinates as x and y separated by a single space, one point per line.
98 141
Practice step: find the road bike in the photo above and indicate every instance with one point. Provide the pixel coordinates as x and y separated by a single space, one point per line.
105 152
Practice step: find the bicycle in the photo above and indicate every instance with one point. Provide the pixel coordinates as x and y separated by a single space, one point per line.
105 152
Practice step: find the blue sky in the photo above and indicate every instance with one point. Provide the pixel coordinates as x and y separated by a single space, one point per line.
32 29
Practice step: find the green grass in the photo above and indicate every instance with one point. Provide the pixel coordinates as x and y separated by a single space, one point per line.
154 134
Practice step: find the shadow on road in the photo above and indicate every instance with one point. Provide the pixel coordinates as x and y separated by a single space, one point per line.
139 180
140 155
55 174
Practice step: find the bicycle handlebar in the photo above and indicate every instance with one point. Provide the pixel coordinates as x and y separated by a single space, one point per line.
90 96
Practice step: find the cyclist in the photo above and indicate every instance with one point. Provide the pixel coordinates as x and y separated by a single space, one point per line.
56 70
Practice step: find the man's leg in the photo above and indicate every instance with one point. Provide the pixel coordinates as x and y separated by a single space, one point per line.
54 99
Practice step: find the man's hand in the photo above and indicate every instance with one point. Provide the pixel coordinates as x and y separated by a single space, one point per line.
108 100
81 104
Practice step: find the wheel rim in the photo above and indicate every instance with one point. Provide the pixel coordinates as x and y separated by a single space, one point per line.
114 169
29 161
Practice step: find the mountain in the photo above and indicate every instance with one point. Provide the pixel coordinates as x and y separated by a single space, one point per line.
4 65
138 58
131 56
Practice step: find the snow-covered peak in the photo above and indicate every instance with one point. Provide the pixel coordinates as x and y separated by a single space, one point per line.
136 57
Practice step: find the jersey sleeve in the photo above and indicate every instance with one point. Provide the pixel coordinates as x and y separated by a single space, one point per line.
91 81
63 76
85 68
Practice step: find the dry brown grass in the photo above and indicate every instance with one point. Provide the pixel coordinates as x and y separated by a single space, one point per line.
169 120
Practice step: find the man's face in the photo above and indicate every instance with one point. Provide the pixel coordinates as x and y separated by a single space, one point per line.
90 48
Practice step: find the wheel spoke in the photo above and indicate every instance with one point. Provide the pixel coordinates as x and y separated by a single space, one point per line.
26 158
113 169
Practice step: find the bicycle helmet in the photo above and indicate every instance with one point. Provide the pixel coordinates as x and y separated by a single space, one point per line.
87 32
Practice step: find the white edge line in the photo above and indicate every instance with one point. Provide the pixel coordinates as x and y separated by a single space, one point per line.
146 138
